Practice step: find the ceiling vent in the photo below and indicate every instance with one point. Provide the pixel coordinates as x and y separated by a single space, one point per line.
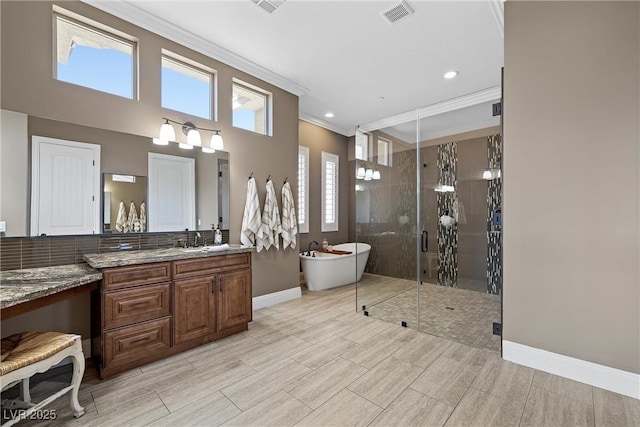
269 5
397 12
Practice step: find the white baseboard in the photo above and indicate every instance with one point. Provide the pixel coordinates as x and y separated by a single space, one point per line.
276 297
601 376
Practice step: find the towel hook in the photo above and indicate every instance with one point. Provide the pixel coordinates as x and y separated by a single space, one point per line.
286 180
269 178
251 176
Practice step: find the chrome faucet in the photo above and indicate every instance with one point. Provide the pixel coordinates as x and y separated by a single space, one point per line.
195 239
309 247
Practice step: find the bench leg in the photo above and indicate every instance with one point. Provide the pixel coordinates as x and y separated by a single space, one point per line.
25 394
77 357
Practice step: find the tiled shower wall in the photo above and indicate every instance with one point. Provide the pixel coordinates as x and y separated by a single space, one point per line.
32 252
468 254
447 164
494 218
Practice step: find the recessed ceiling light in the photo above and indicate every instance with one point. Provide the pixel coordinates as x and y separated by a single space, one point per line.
328 115
450 74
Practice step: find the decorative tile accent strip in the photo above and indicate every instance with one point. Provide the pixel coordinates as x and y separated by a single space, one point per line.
447 236
47 251
494 217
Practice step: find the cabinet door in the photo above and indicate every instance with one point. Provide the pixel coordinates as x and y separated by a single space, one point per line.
194 308
235 298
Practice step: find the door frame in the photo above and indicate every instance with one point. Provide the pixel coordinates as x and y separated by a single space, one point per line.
36 141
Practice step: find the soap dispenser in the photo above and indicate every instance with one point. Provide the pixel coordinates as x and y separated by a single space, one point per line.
325 244
217 239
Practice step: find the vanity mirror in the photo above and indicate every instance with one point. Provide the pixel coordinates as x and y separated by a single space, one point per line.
124 200
120 154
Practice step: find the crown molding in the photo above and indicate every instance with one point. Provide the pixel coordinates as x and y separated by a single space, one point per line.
497 7
137 16
485 95
318 122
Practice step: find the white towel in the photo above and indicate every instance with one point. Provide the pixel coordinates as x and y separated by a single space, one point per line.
132 223
121 219
289 221
271 226
251 223
143 217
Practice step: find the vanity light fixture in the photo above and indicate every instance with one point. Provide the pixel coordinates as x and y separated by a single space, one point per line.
168 134
368 175
450 74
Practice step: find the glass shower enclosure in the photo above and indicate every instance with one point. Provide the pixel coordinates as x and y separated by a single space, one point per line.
432 215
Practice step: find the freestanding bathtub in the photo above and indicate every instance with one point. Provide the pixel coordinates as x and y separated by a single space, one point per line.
325 271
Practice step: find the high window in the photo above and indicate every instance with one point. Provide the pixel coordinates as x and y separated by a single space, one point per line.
92 55
384 152
362 145
330 167
303 189
251 108
187 86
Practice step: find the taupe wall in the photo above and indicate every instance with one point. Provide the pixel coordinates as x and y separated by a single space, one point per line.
14 158
571 179
319 139
27 86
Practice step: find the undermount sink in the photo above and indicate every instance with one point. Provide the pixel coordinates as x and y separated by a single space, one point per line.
218 248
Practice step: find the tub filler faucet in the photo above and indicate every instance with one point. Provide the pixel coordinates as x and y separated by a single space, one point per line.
309 247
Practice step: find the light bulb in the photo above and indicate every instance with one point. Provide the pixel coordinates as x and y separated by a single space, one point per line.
488 175
360 174
368 175
216 142
193 138
376 175
185 146
208 150
159 141
167 133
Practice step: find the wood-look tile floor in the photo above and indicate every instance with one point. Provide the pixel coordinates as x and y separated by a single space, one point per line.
314 361
458 314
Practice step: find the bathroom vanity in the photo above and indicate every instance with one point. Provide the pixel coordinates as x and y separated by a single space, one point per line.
156 303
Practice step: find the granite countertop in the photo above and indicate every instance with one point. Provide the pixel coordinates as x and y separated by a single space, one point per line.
147 256
18 286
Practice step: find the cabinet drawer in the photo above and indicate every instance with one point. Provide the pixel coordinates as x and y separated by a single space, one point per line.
210 265
130 306
134 342
136 275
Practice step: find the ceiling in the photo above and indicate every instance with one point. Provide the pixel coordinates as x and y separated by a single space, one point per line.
344 57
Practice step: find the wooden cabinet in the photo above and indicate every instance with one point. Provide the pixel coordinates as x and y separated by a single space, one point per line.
194 313
146 312
234 296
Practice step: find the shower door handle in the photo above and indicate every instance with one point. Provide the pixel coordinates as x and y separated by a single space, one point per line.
425 240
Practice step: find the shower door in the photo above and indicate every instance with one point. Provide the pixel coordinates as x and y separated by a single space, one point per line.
460 254
385 176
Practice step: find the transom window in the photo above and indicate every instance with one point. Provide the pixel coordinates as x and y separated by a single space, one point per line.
187 86
330 168
251 108
362 145
384 152
98 58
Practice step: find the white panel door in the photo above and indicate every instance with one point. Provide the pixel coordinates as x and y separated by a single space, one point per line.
65 187
172 193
